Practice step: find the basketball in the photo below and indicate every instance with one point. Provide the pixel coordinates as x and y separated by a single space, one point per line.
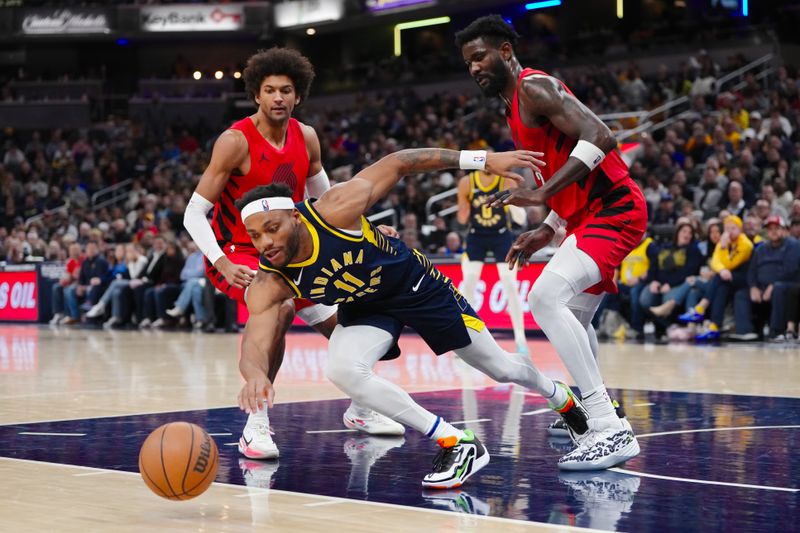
178 461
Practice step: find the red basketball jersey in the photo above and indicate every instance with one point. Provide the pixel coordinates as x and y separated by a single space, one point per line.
575 200
288 165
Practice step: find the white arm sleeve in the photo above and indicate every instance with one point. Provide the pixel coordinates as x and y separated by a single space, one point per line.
317 184
195 220
554 221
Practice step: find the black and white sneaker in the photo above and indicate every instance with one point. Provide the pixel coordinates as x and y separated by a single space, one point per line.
456 462
609 442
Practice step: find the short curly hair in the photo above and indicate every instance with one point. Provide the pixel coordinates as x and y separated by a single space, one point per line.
281 62
493 28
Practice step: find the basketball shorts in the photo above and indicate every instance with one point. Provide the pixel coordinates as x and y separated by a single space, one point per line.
428 303
480 245
610 233
308 311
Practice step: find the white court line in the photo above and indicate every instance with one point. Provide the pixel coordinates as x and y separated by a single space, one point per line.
93 473
702 481
476 421
320 504
538 412
51 434
220 434
253 491
706 430
231 444
645 404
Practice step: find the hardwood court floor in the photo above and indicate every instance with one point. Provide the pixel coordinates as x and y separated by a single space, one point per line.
52 375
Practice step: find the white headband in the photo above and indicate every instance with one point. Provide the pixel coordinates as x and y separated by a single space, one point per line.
267 204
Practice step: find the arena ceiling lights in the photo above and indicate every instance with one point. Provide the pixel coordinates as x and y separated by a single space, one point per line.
398 47
542 4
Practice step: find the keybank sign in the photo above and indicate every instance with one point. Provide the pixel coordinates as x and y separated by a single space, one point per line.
64 21
192 18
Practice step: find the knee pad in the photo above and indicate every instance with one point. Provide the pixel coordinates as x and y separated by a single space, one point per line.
548 291
584 306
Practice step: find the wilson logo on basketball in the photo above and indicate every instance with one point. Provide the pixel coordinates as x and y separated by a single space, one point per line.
205 452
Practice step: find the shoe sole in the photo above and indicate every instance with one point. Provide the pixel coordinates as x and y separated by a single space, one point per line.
455 483
250 453
630 451
389 433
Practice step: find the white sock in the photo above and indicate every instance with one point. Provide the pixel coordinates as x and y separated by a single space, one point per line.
598 403
440 429
261 414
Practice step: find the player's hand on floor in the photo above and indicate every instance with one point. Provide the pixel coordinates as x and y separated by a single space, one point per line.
389 231
255 393
527 244
238 276
502 163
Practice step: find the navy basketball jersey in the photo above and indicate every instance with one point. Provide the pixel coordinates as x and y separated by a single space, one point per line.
347 267
484 219
377 281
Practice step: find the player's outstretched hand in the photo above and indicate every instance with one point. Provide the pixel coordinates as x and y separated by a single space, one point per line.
527 244
388 231
238 276
255 393
502 163
520 196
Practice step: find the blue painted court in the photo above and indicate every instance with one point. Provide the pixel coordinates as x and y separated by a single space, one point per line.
708 462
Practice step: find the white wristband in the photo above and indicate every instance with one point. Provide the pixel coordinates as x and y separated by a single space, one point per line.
472 160
589 154
553 220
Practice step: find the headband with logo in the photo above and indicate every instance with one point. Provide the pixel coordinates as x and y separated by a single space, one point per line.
267 204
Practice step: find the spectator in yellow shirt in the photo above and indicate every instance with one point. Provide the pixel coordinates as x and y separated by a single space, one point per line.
729 262
632 275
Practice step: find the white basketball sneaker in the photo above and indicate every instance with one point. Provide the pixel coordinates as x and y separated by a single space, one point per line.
609 442
371 422
256 440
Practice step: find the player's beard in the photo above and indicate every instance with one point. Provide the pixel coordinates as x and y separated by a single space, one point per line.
292 246
498 77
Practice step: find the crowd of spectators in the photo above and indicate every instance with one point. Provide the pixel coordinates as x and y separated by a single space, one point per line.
724 173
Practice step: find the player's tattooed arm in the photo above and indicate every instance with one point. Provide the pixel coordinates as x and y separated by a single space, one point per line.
344 204
545 98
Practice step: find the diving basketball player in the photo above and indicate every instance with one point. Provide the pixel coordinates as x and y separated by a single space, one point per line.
586 184
268 146
328 252
489 235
